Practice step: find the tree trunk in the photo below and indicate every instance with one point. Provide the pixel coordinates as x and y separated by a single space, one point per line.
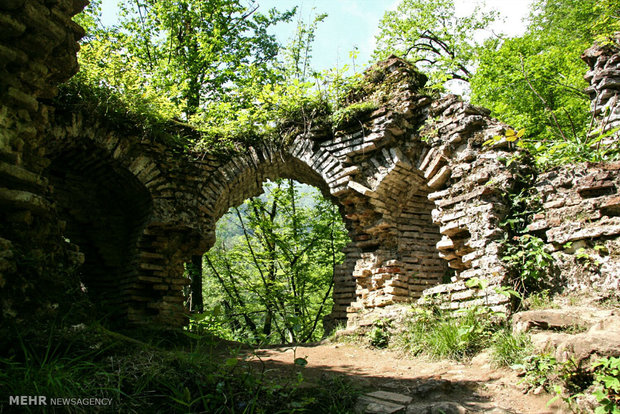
195 274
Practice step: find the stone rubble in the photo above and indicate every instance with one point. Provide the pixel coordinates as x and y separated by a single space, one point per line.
578 334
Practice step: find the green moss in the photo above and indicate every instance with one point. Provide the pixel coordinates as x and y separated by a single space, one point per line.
353 113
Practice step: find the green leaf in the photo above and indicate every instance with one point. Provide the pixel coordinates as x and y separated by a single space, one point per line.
231 362
301 362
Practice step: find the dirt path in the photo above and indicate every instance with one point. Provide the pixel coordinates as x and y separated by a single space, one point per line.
472 387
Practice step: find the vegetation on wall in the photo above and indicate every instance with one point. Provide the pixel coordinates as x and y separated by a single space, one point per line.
214 67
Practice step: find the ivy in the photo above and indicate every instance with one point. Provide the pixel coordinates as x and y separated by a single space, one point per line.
524 253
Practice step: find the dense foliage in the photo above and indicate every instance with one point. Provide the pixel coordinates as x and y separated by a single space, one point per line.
270 275
215 66
535 81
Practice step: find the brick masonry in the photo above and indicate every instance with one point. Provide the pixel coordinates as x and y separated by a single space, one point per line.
604 79
581 224
421 196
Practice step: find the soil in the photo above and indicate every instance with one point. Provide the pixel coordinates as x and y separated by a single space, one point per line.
474 386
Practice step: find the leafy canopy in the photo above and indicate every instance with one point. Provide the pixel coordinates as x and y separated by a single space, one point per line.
535 81
429 33
213 65
203 48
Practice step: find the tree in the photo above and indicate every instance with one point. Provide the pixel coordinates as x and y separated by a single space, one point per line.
272 267
180 56
194 270
299 52
206 47
535 81
429 33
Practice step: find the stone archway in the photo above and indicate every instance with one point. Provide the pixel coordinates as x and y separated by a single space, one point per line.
420 191
421 196
104 209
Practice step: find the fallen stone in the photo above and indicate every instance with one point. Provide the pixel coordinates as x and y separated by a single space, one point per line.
370 405
444 407
549 319
391 397
601 340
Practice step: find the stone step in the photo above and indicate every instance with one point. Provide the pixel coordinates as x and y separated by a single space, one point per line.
370 405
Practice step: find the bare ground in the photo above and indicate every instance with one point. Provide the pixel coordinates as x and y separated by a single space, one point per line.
474 386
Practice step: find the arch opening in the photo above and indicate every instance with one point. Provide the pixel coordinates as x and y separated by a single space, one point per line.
105 209
270 275
394 255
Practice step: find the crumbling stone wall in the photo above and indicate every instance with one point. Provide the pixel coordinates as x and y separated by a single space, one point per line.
471 208
409 177
581 224
421 195
38 45
604 79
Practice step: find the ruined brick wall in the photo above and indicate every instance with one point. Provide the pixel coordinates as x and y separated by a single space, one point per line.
581 224
604 79
86 200
579 219
38 45
420 194
471 208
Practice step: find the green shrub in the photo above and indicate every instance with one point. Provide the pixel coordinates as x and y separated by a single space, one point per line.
509 349
379 335
607 378
540 371
444 335
540 300
352 113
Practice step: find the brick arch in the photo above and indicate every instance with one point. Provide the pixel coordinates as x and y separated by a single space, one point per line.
413 179
113 189
420 194
243 176
104 209
383 200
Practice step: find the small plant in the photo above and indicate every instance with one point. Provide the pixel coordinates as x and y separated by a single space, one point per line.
510 136
509 349
379 335
569 379
528 256
455 336
540 371
540 300
607 378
